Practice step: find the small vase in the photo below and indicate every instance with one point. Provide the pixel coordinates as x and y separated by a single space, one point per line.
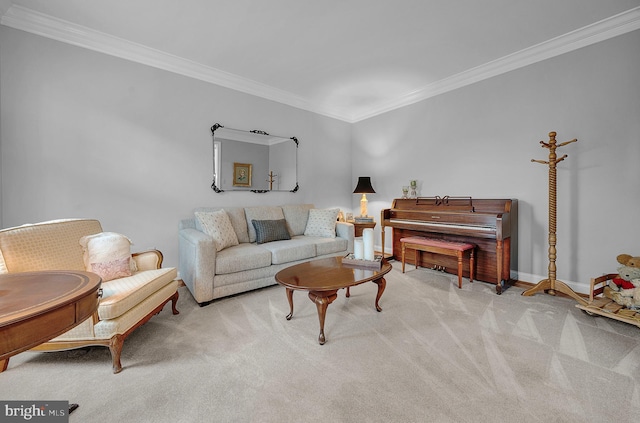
405 192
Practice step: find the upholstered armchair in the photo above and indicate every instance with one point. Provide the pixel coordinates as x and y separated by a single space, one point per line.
134 288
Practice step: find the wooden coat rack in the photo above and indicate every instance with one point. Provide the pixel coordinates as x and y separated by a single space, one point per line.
551 284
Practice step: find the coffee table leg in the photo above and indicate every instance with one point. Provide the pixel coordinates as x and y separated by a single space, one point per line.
322 300
381 285
290 298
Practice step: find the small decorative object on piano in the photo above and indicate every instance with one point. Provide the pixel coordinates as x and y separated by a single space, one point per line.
350 259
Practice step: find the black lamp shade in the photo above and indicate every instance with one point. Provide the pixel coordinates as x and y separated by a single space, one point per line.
364 186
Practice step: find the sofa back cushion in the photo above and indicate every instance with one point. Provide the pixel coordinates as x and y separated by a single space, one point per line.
297 216
53 245
260 213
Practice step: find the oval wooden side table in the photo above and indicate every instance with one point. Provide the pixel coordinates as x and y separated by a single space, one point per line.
38 306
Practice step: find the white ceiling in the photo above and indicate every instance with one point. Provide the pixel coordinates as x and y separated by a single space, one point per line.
349 59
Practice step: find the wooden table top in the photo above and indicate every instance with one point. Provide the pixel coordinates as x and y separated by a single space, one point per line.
328 274
38 306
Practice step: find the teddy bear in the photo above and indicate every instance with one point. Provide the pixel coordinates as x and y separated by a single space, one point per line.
625 285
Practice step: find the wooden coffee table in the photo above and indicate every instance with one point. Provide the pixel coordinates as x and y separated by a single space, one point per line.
323 278
38 306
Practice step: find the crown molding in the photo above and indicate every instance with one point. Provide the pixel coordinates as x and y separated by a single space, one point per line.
28 20
599 31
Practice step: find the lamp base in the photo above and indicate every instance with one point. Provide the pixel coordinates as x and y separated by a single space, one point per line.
363 205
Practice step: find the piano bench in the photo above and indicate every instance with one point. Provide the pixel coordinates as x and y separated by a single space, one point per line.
438 246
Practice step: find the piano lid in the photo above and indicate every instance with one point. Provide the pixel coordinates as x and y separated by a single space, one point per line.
466 205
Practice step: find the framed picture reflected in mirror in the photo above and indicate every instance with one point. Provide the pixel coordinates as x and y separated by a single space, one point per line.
242 175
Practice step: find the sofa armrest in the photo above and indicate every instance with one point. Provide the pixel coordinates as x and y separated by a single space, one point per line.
197 262
148 260
347 231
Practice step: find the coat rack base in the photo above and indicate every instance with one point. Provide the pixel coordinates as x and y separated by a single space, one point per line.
553 286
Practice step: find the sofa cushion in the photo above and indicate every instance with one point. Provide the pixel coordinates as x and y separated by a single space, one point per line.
322 222
108 254
329 245
218 225
287 251
270 230
297 216
260 213
239 222
242 257
121 295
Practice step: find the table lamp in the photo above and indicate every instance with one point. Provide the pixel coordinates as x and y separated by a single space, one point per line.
364 187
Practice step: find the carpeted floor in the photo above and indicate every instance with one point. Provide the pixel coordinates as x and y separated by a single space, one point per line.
434 354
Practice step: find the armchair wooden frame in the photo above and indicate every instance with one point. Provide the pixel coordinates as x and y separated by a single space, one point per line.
116 342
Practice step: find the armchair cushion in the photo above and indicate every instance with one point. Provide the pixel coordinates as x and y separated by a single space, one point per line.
107 254
122 294
49 245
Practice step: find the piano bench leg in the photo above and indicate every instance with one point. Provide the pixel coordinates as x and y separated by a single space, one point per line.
472 263
460 253
438 249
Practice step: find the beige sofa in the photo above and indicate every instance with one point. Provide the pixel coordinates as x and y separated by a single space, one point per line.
127 302
212 272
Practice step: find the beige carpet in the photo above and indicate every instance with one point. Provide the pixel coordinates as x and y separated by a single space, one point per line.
434 354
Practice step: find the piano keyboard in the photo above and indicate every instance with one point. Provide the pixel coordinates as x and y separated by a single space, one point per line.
423 224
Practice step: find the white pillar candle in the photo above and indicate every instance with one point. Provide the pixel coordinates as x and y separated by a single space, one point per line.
358 248
367 237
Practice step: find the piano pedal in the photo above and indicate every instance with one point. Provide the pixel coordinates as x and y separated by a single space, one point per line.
438 268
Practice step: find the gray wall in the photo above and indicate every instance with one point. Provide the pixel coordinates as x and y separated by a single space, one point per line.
479 141
85 134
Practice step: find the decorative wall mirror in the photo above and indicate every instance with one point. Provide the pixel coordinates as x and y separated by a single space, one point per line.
253 161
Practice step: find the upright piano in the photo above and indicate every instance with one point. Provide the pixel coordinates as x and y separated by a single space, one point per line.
490 224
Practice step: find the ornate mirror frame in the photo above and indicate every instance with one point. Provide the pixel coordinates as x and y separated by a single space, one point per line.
243 173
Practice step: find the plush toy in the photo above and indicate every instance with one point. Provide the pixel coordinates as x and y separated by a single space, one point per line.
625 289
628 274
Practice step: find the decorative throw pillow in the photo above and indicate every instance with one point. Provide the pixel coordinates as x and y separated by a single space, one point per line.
108 254
322 222
261 213
270 230
218 225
